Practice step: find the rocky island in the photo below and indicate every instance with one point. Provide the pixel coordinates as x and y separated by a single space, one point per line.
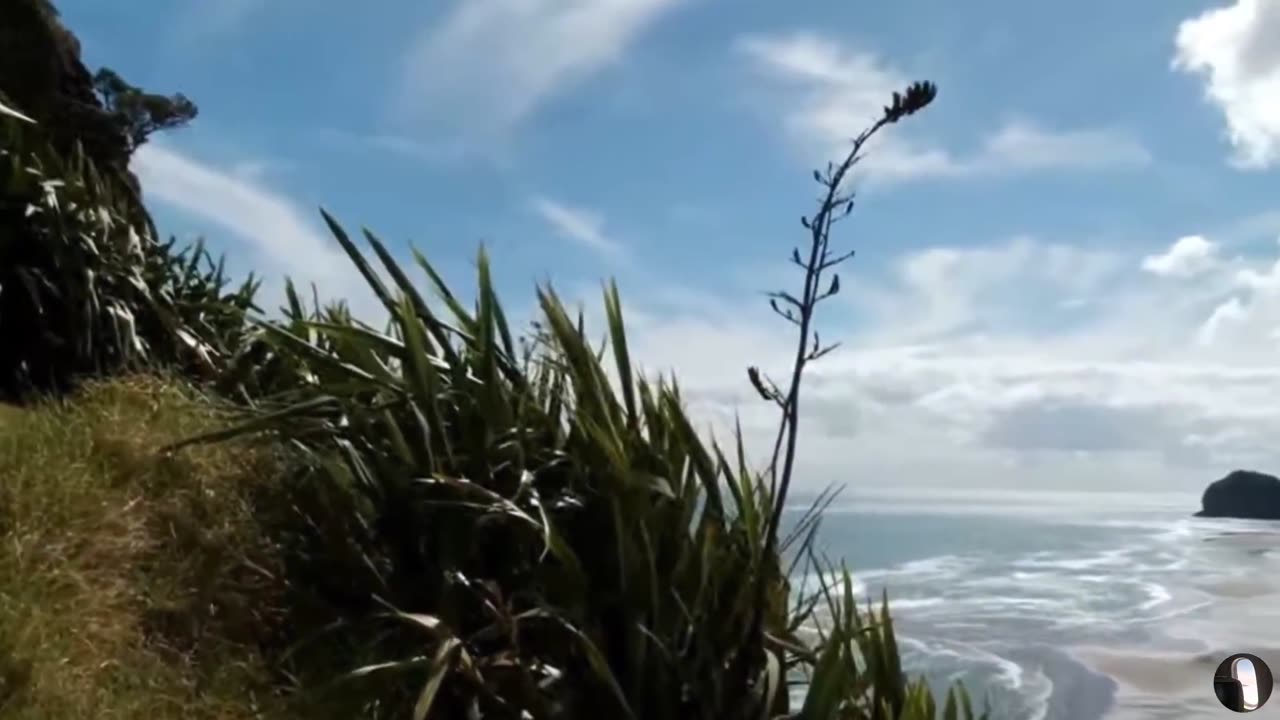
1242 494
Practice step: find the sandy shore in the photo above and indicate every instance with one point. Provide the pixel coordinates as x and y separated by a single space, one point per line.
1175 678
1156 685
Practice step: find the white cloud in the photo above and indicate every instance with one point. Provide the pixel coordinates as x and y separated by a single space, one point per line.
1236 52
1020 145
955 291
1187 257
489 63
280 238
1230 311
830 93
576 224
967 367
255 214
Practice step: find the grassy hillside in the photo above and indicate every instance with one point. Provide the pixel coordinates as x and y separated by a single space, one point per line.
126 589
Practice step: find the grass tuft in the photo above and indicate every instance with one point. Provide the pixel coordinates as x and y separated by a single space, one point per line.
132 584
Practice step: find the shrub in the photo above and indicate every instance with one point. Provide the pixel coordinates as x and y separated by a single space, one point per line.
497 527
85 289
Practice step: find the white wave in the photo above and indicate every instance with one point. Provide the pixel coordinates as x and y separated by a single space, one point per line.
813 582
909 604
945 565
1009 672
1174 613
1166 529
1094 578
1157 595
1040 695
938 563
1107 558
982 500
1180 531
959 625
906 642
1034 688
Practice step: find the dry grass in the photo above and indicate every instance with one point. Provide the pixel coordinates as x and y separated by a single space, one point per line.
132 584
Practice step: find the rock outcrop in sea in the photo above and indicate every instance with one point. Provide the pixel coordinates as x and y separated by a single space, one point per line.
1242 494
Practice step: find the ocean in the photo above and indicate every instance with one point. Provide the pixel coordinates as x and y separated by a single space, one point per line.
1066 605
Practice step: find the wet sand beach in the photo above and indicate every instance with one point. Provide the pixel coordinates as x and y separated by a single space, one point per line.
1174 677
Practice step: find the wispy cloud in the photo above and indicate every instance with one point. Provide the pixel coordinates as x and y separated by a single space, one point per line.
404 147
492 62
579 225
830 92
278 235
1234 50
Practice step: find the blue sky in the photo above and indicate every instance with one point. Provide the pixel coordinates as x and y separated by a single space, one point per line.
1067 266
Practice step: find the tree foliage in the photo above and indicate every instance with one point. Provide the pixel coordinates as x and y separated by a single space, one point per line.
101 115
138 114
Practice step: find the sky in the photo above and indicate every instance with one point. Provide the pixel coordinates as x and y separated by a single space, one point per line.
1067 271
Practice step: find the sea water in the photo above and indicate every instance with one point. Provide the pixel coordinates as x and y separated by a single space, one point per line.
1066 605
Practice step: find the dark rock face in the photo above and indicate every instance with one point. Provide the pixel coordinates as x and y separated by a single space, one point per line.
1243 494
42 74
43 77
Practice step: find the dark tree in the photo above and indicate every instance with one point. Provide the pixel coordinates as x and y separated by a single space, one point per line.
43 76
136 113
105 117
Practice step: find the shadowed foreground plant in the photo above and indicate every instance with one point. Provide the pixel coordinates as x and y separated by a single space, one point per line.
552 542
508 526
84 289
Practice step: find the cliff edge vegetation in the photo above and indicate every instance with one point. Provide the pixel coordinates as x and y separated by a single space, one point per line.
206 511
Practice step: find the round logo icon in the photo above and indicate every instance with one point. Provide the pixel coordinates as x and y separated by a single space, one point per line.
1242 683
